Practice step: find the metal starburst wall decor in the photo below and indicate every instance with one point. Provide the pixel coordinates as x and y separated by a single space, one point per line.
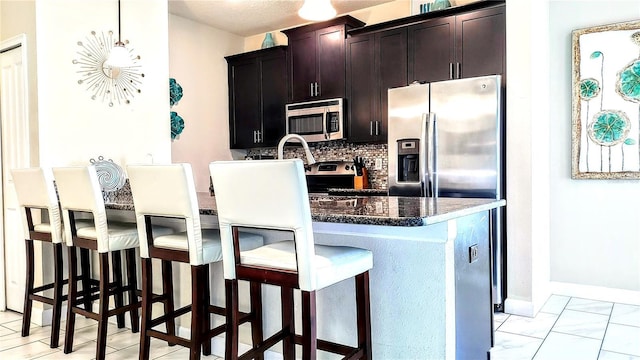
606 102
113 85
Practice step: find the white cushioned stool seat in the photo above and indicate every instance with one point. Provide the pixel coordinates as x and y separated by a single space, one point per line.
168 192
332 263
211 248
81 196
280 202
35 190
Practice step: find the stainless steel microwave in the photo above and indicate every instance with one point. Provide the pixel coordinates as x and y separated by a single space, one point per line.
319 120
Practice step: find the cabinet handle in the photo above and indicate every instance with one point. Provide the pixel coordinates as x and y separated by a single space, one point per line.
450 70
377 129
317 91
259 136
459 70
255 136
371 128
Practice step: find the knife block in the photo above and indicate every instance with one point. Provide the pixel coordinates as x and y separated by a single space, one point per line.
361 182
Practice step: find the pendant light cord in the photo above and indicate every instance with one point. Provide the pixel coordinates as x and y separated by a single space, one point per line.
119 33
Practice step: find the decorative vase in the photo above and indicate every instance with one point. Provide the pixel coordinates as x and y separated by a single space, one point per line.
440 4
268 41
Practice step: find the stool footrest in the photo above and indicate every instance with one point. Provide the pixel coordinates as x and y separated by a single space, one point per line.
265 344
169 338
44 299
164 318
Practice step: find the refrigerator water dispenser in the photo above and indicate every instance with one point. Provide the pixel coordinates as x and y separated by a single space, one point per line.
408 160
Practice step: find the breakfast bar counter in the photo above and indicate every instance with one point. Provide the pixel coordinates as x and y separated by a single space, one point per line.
363 209
430 282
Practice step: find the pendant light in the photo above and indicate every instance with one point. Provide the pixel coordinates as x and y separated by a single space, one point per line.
317 10
119 55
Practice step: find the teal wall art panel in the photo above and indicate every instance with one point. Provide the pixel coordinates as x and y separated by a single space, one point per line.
606 102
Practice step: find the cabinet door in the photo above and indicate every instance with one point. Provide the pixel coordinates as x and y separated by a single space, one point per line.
302 50
274 98
391 54
362 94
480 42
431 50
331 62
244 103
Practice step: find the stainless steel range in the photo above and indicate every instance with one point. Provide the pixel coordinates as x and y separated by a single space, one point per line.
326 175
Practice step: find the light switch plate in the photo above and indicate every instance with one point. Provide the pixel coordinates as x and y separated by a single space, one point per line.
473 253
378 164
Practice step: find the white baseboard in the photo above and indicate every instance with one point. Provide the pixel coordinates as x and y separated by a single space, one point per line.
519 307
596 293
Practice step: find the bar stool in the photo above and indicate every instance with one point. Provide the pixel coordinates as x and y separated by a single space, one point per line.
168 191
36 191
279 201
80 193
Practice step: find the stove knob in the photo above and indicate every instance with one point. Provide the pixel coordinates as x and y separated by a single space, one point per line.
346 167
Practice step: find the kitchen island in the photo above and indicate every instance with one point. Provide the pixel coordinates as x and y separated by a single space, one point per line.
430 283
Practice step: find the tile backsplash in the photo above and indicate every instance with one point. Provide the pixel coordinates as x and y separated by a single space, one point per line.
338 150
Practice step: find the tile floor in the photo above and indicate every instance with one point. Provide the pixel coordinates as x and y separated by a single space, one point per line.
570 328
565 329
121 343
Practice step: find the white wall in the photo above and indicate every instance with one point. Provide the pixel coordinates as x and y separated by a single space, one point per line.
527 157
73 127
196 61
595 231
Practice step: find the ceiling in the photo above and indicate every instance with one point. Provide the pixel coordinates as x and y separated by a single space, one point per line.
251 17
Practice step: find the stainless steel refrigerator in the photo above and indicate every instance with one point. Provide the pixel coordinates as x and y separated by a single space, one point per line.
445 139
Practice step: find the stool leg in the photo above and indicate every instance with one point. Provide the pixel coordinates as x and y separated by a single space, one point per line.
231 309
132 283
167 290
57 295
257 336
147 285
206 315
72 296
117 293
103 312
309 334
86 278
28 290
288 322
196 312
363 314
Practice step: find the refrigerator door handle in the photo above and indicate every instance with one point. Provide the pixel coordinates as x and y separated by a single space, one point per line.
431 155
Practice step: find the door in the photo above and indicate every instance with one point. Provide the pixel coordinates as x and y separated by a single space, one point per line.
14 147
244 88
480 43
431 50
331 62
391 53
302 49
361 89
273 71
468 120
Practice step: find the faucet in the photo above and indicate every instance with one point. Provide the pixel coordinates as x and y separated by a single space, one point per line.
310 159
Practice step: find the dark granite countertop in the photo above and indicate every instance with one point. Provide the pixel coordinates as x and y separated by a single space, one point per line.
368 192
366 210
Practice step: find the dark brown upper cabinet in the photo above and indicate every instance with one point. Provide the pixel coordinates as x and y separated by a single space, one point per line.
257 97
375 63
458 46
316 58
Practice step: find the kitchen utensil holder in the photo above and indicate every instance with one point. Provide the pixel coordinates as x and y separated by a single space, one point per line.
361 182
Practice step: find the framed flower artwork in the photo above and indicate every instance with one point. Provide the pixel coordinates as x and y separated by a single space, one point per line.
606 102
